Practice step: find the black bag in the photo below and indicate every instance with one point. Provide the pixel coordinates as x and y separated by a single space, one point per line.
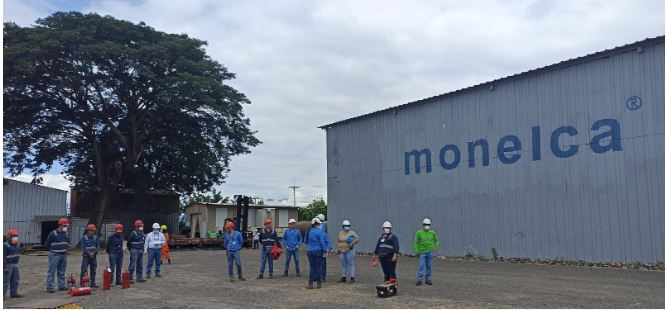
386 290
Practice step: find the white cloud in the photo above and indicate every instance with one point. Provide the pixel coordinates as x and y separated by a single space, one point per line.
52 180
307 63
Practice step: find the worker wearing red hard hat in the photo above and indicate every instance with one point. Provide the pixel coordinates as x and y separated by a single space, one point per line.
10 260
58 243
267 237
233 241
135 243
114 247
89 249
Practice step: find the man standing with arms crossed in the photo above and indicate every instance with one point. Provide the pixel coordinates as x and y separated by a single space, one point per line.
58 244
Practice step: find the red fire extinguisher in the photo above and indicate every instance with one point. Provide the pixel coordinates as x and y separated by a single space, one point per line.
71 282
106 284
85 280
126 280
80 291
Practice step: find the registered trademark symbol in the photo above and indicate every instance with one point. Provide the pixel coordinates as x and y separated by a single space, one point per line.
634 103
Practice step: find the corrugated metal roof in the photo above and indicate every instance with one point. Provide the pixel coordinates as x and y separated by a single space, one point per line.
560 65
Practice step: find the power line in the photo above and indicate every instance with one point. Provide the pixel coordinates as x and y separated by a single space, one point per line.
294 187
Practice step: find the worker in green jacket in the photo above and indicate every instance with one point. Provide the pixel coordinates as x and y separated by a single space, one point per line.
425 243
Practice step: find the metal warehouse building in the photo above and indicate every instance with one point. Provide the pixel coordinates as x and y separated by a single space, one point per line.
32 209
560 162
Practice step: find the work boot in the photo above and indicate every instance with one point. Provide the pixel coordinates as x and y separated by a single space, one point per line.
429 282
298 274
148 276
241 278
318 284
343 280
160 261
418 283
94 286
352 280
62 289
270 276
141 281
50 290
261 276
158 275
16 296
309 286
131 281
286 274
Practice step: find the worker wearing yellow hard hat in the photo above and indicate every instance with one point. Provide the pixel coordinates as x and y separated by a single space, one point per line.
165 247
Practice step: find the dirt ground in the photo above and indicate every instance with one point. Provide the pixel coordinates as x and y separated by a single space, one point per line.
198 279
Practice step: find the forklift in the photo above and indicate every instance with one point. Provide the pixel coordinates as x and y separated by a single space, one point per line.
242 209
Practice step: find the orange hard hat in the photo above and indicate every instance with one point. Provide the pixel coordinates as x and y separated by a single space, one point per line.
230 225
91 227
138 223
119 227
267 221
63 222
12 232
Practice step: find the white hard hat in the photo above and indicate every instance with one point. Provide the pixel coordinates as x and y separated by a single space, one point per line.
346 223
321 217
316 220
156 226
292 221
426 221
387 225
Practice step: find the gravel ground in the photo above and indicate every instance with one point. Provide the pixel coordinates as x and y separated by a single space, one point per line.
198 279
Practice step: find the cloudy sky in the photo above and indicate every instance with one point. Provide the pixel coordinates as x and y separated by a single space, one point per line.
307 63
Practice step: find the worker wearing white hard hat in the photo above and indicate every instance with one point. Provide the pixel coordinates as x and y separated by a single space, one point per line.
153 247
324 227
425 245
347 239
318 244
292 238
387 250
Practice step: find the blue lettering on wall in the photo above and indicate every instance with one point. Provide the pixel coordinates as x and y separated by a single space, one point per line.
456 157
555 142
509 147
417 160
614 133
502 149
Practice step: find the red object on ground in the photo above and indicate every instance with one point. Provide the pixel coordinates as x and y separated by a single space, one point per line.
276 252
85 280
125 280
71 282
106 284
80 291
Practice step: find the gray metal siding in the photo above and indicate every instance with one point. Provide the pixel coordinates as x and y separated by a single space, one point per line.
22 202
595 207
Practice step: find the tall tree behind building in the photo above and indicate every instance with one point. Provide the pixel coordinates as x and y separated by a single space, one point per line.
119 106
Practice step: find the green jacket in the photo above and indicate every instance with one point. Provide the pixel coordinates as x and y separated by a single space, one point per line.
425 241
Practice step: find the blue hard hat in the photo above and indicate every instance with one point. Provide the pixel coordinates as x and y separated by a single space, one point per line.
350 239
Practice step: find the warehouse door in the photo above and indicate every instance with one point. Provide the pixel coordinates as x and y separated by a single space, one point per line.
47 227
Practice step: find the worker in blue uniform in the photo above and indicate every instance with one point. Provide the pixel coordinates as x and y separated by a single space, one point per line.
89 249
58 243
114 247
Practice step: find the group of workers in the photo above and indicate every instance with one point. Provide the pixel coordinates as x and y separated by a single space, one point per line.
154 245
319 246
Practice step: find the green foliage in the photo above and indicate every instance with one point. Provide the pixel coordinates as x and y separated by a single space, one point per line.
118 105
316 207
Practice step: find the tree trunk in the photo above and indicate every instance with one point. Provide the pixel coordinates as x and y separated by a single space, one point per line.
104 197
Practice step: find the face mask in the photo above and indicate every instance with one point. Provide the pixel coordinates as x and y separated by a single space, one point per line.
14 240
140 228
426 227
156 230
64 229
387 230
346 228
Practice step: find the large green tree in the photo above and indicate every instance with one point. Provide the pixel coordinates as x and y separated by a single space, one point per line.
316 207
119 106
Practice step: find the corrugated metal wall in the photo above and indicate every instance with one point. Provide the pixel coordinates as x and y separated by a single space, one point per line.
23 202
590 206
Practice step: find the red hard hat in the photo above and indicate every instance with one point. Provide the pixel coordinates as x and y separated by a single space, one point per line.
119 227
230 225
12 232
267 221
63 222
91 227
138 223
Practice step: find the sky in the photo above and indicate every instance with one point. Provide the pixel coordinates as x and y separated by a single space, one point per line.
304 64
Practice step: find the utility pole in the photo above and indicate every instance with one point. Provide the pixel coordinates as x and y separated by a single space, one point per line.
294 187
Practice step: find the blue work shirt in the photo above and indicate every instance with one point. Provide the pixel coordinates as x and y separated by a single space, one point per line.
114 244
89 244
233 243
292 238
11 254
57 241
317 240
